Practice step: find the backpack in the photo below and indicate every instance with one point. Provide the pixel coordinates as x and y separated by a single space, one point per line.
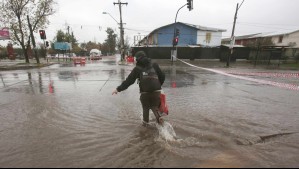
148 80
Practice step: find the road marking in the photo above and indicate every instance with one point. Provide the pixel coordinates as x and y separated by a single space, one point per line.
267 74
276 84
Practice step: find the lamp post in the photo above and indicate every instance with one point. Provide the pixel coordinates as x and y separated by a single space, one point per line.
111 16
121 36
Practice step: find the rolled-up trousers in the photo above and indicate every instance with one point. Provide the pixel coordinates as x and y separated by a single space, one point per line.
150 101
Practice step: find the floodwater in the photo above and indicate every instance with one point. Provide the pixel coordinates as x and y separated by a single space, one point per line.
65 116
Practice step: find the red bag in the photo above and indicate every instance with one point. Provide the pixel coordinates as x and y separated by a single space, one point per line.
163 109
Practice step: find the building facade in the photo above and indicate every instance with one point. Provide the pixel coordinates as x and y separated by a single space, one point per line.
289 38
189 35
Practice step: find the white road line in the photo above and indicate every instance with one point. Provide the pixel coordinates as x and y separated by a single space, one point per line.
276 84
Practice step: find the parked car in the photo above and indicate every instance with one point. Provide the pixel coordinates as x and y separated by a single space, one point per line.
79 60
96 57
95 54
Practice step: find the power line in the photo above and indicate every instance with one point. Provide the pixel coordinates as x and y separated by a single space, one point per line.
254 25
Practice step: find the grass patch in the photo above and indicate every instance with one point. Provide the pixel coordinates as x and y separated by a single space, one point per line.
290 65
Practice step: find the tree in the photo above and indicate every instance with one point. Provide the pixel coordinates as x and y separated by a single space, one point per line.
110 42
90 45
294 50
14 13
70 38
65 37
60 36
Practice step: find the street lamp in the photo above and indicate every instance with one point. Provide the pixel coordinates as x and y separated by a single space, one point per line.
111 16
121 36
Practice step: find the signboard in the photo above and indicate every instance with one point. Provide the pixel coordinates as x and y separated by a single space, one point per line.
62 46
232 42
4 33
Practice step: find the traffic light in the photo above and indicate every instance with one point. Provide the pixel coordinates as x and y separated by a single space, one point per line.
177 32
190 4
42 34
175 41
47 44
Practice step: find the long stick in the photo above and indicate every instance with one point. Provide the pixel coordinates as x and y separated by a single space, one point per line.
104 84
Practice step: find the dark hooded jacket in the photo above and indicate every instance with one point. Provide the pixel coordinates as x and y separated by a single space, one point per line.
135 73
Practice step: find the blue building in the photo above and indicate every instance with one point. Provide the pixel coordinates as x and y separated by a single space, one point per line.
189 35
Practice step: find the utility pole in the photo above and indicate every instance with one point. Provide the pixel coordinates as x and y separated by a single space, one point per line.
68 33
232 39
33 40
122 42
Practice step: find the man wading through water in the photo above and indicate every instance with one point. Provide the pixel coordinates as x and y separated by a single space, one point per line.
150 79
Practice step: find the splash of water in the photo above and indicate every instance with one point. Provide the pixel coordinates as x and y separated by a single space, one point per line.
166 132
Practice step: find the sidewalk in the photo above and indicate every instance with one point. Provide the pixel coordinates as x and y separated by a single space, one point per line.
6 64
239 64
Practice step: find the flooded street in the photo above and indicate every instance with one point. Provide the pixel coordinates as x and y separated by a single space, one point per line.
65 116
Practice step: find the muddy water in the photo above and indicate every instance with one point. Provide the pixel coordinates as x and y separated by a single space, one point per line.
65 116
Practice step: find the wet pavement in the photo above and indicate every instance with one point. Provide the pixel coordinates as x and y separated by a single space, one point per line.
65 116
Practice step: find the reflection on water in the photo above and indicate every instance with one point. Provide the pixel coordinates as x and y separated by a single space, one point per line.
122 74
68 75
40 82
32 83
51 87
178 78
2 80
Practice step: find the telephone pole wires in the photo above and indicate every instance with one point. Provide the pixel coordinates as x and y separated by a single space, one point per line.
122 42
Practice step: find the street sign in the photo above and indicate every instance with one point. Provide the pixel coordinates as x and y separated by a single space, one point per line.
232 42
62 46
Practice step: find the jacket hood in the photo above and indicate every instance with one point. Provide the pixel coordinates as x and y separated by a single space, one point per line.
143 61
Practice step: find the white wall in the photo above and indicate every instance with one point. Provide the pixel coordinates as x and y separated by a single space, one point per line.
215 38
293 37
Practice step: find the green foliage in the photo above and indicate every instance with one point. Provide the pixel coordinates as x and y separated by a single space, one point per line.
110 43
70 38
65 37
90 45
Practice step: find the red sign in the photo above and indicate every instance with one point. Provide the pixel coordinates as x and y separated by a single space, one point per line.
4 33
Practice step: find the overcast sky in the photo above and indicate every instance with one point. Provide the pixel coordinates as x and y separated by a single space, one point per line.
86 20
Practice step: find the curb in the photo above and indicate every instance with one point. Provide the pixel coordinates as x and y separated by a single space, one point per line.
24 67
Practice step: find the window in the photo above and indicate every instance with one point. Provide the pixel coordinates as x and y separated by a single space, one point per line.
208 37
280 38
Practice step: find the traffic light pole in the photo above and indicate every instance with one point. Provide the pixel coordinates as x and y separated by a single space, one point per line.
174 31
